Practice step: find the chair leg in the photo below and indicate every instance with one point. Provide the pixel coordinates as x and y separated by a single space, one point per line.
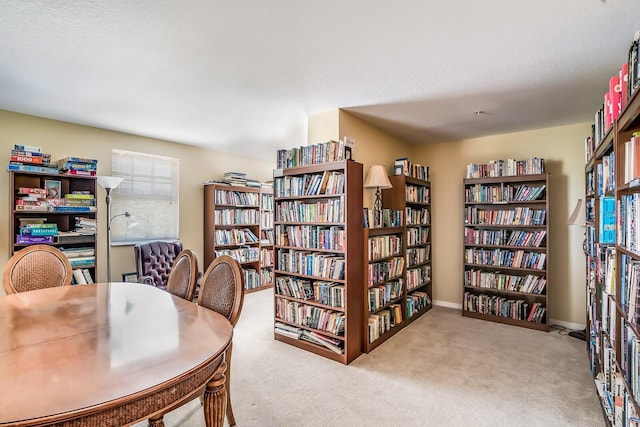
157 421
227 384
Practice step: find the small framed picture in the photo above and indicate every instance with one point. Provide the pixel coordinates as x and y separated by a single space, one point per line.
54 188
130 277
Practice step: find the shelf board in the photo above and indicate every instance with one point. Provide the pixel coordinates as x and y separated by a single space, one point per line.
507 320
505 292
506 179
311 302
502 267
305 276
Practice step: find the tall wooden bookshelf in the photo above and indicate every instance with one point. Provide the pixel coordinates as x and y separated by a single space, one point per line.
613 261
385 284
232 216
266 238
76 226
319 261
506 249
413 197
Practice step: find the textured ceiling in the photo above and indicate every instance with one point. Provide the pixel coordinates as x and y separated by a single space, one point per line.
244 75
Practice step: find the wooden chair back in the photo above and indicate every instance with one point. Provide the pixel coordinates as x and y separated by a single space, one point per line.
36 267
183 276
222 288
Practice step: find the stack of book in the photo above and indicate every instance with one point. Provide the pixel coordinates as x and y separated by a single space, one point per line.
83 257
35 231
30 158
78 166
86 225
238 179
31 199
79 198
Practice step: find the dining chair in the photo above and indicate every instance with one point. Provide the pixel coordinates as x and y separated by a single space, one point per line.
36 267
222 290
183 276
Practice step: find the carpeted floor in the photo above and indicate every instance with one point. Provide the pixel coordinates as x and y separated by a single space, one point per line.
442 370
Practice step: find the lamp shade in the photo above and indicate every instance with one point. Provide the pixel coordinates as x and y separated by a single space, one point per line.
578 216
109 182
377 177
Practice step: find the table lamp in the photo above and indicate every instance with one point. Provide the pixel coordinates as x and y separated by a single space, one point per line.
377 178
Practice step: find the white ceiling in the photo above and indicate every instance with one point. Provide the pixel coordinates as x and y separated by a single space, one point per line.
244 75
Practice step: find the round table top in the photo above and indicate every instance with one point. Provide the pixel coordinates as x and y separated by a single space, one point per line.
69 348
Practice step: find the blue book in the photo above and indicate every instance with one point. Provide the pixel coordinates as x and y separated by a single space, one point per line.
607 231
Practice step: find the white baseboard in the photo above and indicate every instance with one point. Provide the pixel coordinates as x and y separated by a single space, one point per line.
568 325
447 304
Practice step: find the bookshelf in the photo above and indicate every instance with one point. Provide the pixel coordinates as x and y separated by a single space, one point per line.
266 238
67 221
385 290
232 216
412 196
506 248
319 269
612 199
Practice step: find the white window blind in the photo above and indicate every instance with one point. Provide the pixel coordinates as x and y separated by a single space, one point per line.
149 192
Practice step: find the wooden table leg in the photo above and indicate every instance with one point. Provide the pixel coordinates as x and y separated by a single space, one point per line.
215 398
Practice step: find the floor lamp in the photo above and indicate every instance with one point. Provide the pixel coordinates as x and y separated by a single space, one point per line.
109 183
578 217
377 178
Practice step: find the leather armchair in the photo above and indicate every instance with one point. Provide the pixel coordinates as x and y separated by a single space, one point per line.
154 261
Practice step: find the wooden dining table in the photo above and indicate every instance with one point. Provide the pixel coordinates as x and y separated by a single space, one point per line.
108 354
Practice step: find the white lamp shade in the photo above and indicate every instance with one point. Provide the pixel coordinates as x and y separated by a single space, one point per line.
109 182
377 177
578 216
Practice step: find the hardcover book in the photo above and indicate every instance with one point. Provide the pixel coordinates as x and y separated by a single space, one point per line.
607 232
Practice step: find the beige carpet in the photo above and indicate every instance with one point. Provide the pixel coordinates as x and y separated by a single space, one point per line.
443 370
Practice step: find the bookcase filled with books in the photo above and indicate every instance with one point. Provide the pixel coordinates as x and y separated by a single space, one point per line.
232 227
612 177
385 275
318 253
506 243
266 237
412 196
57 209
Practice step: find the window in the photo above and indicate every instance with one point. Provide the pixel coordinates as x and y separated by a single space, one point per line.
149 193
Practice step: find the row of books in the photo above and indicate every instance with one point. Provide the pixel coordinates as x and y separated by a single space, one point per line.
381 295
310 336
330 151
506 258
235 237
382 271
417 194
474 236
305 263
417 236
382 218
328 182
529 283
384 320
403 166
384 246
417 256
236 198
480 193
236 216
416 302
418 277
312 236
631 159
522 215
310 316
251 278
241 255
81 276
504 307
420 216
329 211
605 174
509 167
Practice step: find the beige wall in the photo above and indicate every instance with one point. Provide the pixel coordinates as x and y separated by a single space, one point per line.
563 151
372 145
64 139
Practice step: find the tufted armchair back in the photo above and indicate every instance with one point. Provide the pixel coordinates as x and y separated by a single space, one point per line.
154 261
